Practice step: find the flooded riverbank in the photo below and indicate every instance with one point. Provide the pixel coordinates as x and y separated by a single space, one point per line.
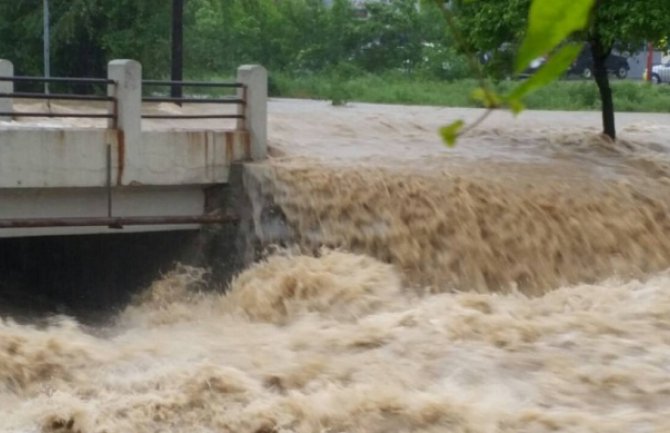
516 284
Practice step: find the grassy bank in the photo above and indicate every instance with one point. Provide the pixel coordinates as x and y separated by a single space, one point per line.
402 89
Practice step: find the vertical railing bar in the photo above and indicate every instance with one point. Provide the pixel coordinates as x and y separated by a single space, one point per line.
109 180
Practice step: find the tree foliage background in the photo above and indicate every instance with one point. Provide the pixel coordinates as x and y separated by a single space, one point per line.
295 36
308 37
559 29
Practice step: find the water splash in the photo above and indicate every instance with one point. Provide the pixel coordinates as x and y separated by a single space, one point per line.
463 293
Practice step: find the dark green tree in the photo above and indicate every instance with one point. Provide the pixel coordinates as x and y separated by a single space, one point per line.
299 37
488 24
85 34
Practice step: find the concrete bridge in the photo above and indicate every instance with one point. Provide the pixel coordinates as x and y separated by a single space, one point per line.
124 172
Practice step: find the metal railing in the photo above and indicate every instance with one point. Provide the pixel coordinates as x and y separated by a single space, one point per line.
122 89
111 114
237 100
117 222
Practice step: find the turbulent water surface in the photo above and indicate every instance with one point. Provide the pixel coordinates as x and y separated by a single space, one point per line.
516 284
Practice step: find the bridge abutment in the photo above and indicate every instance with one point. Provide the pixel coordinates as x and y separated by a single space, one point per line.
60 183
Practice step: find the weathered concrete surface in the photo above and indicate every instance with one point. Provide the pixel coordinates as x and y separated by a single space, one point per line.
255 110
63 173
228 249
127 74
57 158
92 202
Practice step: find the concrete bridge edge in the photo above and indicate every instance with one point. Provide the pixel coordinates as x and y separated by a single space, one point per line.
229 249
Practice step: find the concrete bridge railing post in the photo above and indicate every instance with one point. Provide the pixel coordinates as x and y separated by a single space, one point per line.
255 111
6 70
127 74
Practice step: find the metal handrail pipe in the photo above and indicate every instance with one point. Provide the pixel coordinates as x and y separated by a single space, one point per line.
191 83
191 116
54 115
233 100
116 221
61 96
21 79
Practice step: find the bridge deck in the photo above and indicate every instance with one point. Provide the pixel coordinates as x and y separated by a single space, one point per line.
90 157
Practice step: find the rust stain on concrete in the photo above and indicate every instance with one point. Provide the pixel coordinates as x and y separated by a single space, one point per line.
246 137
230 151
206 149
121 152
193 143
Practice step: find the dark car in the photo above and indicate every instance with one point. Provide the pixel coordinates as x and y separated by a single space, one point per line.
583 66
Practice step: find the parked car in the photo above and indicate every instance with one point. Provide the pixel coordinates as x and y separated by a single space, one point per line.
659 73
533 67
583 66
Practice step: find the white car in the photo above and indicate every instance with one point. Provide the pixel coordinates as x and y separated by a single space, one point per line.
660 73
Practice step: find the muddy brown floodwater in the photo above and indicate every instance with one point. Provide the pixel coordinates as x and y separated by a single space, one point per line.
518 283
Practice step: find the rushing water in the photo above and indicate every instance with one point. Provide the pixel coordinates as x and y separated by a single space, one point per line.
452 294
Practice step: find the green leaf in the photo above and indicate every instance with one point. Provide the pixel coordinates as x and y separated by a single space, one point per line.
550 71
488 98
479 95
515 105
450 132
549 23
